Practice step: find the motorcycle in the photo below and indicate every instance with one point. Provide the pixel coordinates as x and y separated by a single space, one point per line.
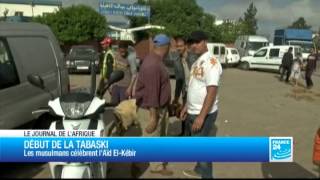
79 111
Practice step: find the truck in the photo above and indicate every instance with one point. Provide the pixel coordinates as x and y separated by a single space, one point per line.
297 37
247 45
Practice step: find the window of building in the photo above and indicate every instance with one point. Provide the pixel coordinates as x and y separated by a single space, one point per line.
18 13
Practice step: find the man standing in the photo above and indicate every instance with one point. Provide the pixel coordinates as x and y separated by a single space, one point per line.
201 109
311 67
178 56
286 64
153 94
125 62
107 63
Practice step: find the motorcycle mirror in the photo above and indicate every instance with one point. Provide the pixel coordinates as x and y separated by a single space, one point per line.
36 81
115 76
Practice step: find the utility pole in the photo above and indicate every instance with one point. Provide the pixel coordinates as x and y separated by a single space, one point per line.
32 5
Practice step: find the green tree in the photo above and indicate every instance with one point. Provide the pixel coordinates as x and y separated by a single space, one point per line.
178 18
75 24
229 31
300 23
250 21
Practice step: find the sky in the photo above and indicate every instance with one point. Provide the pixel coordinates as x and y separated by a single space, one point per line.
271 14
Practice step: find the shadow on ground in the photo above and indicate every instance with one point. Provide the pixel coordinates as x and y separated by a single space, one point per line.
285 170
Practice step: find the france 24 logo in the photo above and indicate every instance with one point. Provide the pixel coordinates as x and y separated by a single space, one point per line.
281 149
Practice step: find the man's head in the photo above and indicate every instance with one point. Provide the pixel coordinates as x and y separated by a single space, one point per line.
123 49
106 42
181 45
290 50
161 44
198 41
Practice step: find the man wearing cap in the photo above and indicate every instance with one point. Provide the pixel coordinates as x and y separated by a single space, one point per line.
153 94
107 63
201 109
124 61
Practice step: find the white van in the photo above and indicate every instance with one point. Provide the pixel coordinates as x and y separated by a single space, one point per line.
218 50
267 57
232 56
247 45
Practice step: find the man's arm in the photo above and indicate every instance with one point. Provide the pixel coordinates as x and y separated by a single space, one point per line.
133 69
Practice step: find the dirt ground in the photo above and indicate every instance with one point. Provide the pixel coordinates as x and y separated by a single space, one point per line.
251 103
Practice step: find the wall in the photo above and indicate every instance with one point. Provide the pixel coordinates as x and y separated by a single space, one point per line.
26 9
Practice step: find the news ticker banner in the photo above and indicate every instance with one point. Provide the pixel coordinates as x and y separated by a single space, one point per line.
87 146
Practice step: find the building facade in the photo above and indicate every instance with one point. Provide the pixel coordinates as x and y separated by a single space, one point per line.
28 8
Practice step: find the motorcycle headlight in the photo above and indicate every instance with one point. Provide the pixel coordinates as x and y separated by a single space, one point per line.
75 110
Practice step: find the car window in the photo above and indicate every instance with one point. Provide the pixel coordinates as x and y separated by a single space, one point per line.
261 53
37 51
274 53
223 50
8 73
233 51
216 50
82 51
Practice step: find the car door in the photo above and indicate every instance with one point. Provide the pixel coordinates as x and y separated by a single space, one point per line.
36 56
274 60
216 52
11 91
259 59
222 54
235 55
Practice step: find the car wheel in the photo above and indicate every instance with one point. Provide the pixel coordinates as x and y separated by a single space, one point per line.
245 66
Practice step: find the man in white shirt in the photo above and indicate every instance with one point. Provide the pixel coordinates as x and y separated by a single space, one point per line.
201 109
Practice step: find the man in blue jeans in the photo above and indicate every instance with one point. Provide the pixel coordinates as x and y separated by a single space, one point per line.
201 109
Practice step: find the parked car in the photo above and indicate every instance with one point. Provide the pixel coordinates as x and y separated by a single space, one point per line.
269 57
233 56
218 50
80 57
25 49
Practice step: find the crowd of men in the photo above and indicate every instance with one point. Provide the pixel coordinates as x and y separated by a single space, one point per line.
148 82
